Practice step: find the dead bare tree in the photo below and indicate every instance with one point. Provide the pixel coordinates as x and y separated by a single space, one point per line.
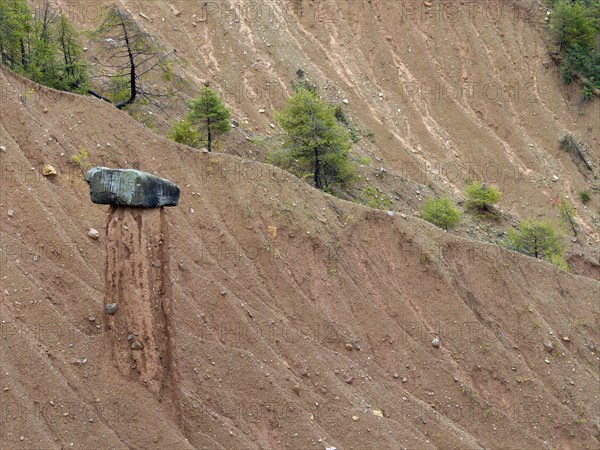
133 63
569 143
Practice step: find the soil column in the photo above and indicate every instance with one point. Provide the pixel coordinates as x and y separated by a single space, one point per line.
138 281
138 297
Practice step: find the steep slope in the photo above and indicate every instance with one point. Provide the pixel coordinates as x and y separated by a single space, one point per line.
302 320
449 90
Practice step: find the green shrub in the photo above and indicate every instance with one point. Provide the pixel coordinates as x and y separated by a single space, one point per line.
575 26
80 159
481 196
558 261
567 71
370 196
340 115
280 158
441 212
584 196
344 120
586 92
118 87
297 85
185 133
584 61
571 25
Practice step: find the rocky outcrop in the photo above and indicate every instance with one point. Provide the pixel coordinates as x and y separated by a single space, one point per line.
129 187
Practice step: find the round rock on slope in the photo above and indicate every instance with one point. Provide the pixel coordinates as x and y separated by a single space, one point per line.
110 308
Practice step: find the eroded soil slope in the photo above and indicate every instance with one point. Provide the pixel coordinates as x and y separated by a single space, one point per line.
303 321
445 90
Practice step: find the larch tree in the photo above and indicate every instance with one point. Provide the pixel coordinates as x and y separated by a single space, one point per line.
209 115
314 141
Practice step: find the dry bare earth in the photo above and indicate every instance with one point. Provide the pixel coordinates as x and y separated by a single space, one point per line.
263 320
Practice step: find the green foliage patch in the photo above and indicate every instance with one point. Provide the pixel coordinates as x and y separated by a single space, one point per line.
42 45
481 196
538 239
441 212
207 119
314 142
575 26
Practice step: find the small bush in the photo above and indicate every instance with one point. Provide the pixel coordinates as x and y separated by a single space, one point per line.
584 196
119 89
340 115
586 92
558 261
297 85
441 212
185 133
281 158
371 197
481 196
81 159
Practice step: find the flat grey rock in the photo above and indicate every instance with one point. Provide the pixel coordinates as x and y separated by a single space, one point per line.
130 187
